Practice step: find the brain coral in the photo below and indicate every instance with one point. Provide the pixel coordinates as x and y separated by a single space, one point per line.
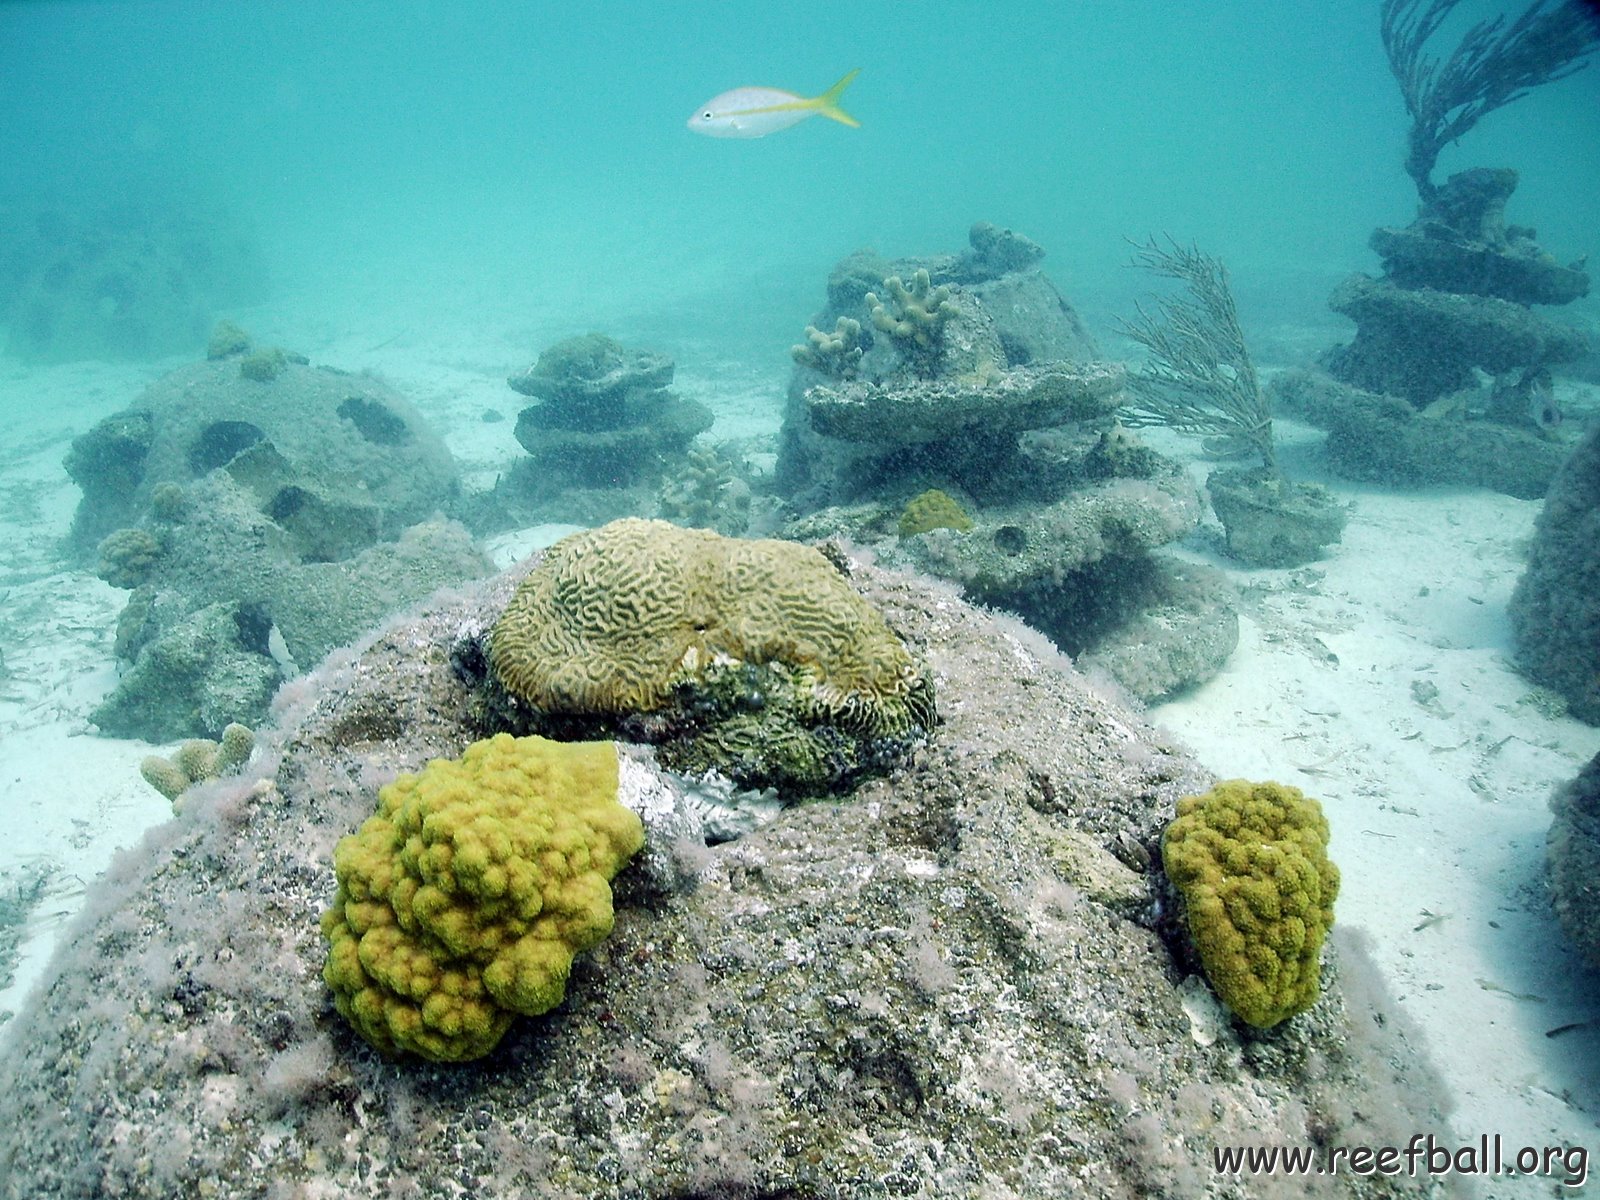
462 902
752 657
1250 861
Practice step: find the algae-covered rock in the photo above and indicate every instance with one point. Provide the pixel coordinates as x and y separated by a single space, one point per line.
190 677
1422 344
1384 439
1009 402
307 517
198 634
1456 299
1083 571
939 384
1555 607
590 378
605 434
338 440
947 985
1271 522
1004 403
1574 852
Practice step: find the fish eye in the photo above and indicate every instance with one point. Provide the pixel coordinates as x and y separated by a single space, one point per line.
706 116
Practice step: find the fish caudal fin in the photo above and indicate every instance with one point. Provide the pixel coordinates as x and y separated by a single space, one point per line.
827 104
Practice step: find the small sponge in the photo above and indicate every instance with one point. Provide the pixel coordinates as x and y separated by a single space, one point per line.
462 902
1250 861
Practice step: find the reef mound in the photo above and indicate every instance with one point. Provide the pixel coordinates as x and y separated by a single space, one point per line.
951 983
258 523
971 375
1555 607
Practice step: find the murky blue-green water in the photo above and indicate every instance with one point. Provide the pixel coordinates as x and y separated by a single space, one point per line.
383 151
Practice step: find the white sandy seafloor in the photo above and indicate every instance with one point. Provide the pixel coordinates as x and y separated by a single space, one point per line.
1378 680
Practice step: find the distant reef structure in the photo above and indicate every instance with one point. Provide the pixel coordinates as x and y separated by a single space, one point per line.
1199 379
953 412
130 280
1449 377
954 980
261 512
604 433
1555 608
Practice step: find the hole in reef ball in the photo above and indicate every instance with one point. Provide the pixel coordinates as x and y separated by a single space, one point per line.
374 421
1010 539
220 443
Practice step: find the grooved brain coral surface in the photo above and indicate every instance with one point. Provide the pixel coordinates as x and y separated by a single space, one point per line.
1250 861
615 618
463 900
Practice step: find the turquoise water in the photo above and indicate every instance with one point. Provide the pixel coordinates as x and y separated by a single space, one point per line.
444 157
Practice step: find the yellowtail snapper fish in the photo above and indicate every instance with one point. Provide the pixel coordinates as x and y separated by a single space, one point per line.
752 112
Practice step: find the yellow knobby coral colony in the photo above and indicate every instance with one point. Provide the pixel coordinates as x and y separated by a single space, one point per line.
1250 861
614 619
462 902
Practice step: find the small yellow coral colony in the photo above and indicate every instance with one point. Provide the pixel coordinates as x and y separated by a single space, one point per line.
914 314
199 759
1250 861
462 902
837 354
127 557
932 509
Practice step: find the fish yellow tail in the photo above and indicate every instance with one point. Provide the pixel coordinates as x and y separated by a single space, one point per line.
827 104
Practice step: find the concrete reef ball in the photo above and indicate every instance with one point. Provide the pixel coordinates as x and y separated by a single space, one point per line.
781 673
1251 863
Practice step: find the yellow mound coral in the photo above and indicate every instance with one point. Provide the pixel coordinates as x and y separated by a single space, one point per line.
128 557
933 509
749 642
1250 861
462 902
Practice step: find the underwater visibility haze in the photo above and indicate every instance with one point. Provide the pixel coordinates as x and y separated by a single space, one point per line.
415 151
567 629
